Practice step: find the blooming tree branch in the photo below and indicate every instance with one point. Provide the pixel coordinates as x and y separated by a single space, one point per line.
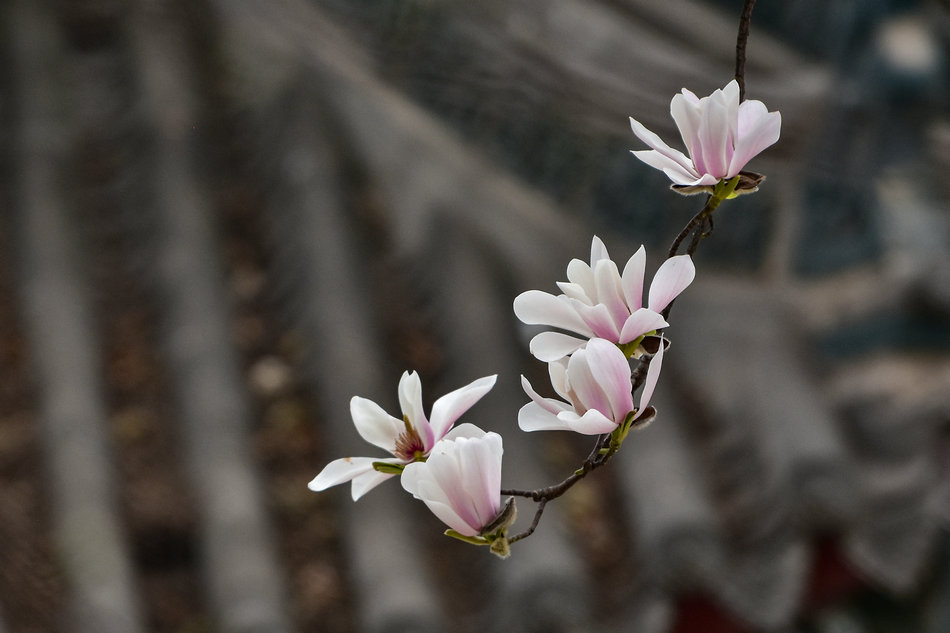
606 343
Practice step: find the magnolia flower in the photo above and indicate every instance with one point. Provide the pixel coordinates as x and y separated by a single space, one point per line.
460 482
600 302
595 382
408 439
721 134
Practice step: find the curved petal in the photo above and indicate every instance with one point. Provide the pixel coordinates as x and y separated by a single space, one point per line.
598 320
465 429
641 322
598 251
762 134
359 470
447 409
632 279
417 480
671 278
610 292
535 307
580 273
550 346
686 114
611 371
574 291
593 422
479 461
532 417
550 405
589 394
375 425
674 171
674 156
653 375
716 148
410 401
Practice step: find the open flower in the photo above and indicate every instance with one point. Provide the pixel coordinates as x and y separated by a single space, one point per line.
598 301
595 382
408 439
721 135
461 482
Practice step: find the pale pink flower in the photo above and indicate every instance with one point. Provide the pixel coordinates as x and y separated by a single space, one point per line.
721 135
598 301
408 439
460 482
595 382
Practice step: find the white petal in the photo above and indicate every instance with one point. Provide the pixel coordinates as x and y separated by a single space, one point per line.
686 114
653 375
447 409
550 346
575 291
598 320
359 470
591 423
410 398
550 405
632 279
464 430
676 172
673 276
598 251
375 425
535 307
580 273
714 137
418 480
532 417
662 149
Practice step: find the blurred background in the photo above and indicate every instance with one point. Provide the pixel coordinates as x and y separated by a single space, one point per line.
221 219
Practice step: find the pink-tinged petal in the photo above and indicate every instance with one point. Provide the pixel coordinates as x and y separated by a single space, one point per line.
359 470
550 346
673 170
479 461
532 417
598 251
716 152
417 480
632 279
764 134
653 375
375 425
592 422
641 322
676 157
550 405
673 276
447 409
598 320
609 291
611 371
588 393
535 307
580 273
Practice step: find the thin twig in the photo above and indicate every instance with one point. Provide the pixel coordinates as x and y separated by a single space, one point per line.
741 39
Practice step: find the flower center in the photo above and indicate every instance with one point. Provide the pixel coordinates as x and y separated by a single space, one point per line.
409 446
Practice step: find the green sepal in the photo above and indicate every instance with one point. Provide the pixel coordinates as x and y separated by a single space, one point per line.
389 469
473 540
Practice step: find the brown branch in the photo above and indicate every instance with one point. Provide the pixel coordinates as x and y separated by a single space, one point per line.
741 39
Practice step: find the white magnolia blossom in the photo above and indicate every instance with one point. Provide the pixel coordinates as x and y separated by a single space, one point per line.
595 383
721 135
598 301
460 482
408 439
